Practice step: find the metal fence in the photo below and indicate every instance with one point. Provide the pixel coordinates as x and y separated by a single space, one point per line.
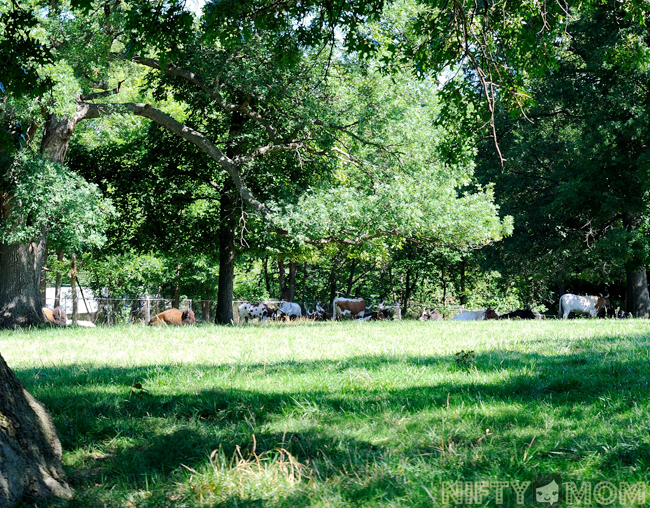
115 311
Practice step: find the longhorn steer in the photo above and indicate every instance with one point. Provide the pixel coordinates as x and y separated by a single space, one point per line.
476 315
254 310
173 317
519 314
344 307
382 314
434 315
290 309
319 314
581 305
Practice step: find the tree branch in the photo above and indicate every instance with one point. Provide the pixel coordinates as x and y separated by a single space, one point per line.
171 70
193 136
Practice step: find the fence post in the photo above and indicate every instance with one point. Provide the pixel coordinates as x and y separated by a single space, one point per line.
147 312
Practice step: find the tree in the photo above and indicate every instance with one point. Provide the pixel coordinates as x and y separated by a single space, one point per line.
575 176
31 450
260 119
212 63
41 199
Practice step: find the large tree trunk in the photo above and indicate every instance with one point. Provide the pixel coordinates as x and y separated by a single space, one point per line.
267 282
227 225
73 288
21 264
353 265
463 294
408 288
20 272
638 299
282 279
30 450
177 289
291 289
59 281
444 284
43 282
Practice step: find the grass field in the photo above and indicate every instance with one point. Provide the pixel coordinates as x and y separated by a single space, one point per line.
351 414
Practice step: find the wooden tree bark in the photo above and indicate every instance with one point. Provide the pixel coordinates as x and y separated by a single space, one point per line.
43 281
59 281
348 291
73 288
227 226
408 288
267 281
20 273
463 294
224 314
205 310
30 450
291 288
177 288
638 299
21 264
282 279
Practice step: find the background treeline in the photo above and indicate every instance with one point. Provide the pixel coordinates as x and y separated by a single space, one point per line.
278 160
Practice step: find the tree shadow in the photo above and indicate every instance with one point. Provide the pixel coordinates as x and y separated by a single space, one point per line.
131 436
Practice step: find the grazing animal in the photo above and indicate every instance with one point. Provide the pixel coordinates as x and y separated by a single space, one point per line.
382 314
370 316
434 315
56 315
386 312
290 309
173 317
319 314
606 312
348 307
519 314
623 315
581 305
254 310
476 315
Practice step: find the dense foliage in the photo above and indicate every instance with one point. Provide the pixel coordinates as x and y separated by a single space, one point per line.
340 138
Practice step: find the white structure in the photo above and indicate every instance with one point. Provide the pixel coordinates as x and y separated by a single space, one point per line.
66 300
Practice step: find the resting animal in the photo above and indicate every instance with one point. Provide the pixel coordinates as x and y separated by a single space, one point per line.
173 317
434 315
476 315
56 315
519 314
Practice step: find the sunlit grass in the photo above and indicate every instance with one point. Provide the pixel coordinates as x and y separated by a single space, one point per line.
326 414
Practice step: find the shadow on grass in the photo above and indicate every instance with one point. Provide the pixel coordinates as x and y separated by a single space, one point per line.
121 439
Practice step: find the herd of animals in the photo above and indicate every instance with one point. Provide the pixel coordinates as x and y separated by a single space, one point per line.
593 306
341 308
57 316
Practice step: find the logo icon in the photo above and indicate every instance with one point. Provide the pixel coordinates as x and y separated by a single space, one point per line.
548 490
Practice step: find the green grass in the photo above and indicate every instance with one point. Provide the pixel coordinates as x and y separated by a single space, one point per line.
348 414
